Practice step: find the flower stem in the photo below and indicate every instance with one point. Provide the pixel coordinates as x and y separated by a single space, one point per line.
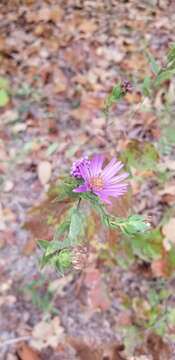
78 204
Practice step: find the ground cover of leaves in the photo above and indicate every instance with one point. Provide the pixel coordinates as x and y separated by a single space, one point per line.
58 60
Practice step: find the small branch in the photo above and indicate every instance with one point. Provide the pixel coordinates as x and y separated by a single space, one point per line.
16 340
78 205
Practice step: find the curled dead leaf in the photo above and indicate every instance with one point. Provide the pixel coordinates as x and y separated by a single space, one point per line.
44 172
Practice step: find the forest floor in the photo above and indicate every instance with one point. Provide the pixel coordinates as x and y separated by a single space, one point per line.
58 61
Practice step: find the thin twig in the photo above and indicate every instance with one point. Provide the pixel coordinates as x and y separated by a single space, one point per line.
13 341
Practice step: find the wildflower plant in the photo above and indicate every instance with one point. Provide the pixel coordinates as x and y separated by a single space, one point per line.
82 202
90 186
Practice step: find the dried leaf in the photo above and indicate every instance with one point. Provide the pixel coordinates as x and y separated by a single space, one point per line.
29 247
44 172
159 267
25 352
87 26
97 295
44 14
47 334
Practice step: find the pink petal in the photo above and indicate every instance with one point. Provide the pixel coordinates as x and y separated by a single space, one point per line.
96 164
84 171
102 197
81 188
117 179
110 171
110 187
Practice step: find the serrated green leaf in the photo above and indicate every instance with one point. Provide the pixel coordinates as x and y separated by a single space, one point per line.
4 98
45 260
135 224
56 246
43 244
148 246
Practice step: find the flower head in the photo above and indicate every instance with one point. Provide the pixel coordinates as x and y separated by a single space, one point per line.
75 169
102 181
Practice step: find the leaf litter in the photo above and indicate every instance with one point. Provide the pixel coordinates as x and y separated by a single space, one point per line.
60 61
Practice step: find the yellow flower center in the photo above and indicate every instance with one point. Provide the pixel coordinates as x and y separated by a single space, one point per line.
96 182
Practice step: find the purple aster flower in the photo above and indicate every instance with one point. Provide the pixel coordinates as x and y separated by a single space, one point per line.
102 181
75 169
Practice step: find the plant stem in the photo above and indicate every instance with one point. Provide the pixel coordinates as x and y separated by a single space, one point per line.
78 204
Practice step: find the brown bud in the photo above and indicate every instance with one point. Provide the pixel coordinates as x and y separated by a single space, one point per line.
126 86
79 257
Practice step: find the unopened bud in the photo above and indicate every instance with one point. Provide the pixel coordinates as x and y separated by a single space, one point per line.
126 87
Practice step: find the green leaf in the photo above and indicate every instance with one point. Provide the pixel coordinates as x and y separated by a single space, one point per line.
115 95
64 260
160 327
97 205
141 155
154 66
4 84
148 246
76 225
171 54
90 196
171 316
43 244
135 224
117 92
170 134
65 188
52 148
45 260
55 246
132 338
146 87
60 229
4 97
164 75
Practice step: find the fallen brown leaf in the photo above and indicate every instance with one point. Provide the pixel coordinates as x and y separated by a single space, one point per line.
47 333
29 247
25 352
44 172
91 351
159 267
